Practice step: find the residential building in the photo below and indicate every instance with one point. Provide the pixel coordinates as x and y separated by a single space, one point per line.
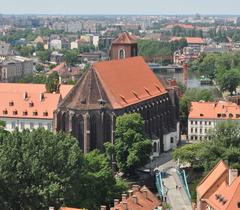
29 106
56 44
220 189
4 49
66 73
137 199
14 68
204 116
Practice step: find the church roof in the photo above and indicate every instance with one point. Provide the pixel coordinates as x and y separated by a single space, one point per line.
125 38
120 83
88 93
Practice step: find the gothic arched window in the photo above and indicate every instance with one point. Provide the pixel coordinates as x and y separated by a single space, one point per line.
121 54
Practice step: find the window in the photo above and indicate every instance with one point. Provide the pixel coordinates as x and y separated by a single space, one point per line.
200 122
22 125
223 115
25 113
31 104
191 122
40 125
195 130
121 54
191 130
237 115
200 130
209 123
205 122
35 113
49 126
31 125
195 122
13 125
230 115
155 147
219 115
45 114
171 140
11 103
5 112
15 112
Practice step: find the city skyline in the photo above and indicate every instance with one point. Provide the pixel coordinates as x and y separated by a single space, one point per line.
141 7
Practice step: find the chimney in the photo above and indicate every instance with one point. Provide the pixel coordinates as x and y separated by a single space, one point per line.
116 202
51 208
135 199
41 96
135 188
125 205
232 174
145 193
103 208
124 197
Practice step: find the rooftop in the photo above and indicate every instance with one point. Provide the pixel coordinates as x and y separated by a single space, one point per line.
29 100
214 110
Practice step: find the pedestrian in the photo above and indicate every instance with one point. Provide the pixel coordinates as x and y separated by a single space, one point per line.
176 187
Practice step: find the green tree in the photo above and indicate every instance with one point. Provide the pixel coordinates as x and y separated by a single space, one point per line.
52 82
132 148
224 144
100 186
70 57
38 169
230 80
39 46
43 55
39 67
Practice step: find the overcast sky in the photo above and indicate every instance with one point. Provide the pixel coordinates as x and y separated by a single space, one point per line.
120 7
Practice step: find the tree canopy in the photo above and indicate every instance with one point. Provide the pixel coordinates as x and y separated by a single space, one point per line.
224 144
39 169
132 148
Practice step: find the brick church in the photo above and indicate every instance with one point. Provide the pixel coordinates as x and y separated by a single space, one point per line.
125 84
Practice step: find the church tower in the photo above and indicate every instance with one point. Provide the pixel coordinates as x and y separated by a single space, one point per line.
124 46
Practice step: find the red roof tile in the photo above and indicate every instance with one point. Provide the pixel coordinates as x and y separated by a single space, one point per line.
206 184
29 100
143 203
214 110
128 81
125 38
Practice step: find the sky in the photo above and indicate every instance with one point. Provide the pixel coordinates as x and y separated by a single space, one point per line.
94 7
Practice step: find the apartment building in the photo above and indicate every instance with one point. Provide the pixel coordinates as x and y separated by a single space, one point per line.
204 116
29 106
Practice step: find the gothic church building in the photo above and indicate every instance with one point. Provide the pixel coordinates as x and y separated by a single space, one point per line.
125 84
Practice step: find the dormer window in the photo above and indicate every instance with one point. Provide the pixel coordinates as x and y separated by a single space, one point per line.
230 115
223 115
45 114
219 115
11 103
31 104
35 113
237 115
5 112
25 113
15 112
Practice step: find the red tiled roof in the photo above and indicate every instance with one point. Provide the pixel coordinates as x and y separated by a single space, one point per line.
128 81
145 203
190 40
210 191
214 110
206 184
124 38
29 100
185 26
